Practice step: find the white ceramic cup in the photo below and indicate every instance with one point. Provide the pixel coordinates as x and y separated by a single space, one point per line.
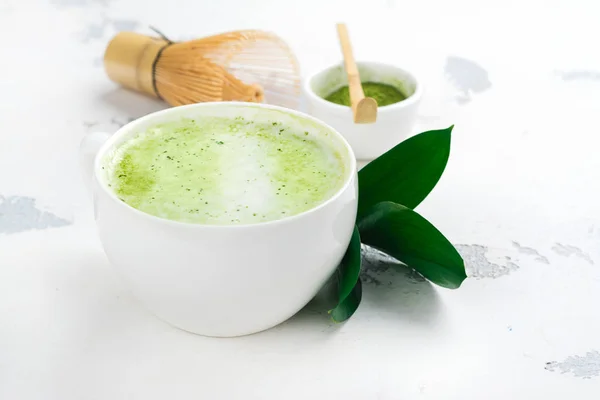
394 122
228 280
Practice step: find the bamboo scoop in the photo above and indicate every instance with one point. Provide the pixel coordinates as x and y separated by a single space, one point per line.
363 108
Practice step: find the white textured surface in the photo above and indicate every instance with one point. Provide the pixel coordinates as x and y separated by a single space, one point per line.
520 195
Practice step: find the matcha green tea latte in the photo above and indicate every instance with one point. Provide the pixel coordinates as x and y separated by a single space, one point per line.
223 171
384 94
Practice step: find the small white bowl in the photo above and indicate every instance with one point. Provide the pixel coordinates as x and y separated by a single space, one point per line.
394 122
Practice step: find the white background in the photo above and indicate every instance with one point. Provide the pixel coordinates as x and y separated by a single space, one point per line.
524 168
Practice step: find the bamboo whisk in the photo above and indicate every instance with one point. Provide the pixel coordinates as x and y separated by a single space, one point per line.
249 65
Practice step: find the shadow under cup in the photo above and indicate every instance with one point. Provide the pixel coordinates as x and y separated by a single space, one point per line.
226 280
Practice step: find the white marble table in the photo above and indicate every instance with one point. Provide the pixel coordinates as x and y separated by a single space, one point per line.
520 198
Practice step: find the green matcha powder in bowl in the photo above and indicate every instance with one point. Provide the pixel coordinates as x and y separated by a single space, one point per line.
383 93
396 90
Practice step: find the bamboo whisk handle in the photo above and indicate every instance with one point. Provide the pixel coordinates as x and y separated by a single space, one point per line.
129 60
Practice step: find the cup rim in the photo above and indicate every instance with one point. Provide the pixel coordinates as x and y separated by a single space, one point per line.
110 142
307 84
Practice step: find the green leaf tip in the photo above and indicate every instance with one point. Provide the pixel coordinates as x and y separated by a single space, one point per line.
407 173
410 238
348 306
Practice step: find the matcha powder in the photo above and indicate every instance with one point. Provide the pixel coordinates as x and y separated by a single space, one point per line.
382 93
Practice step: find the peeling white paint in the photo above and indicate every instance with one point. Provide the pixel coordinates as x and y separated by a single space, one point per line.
586 367
567 250
107 25
579 75
467 76
532 252
379 268
479 266
19 214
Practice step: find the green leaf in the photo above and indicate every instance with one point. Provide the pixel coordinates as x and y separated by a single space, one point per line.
348 281
405 235
346 308
406 173
349 269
